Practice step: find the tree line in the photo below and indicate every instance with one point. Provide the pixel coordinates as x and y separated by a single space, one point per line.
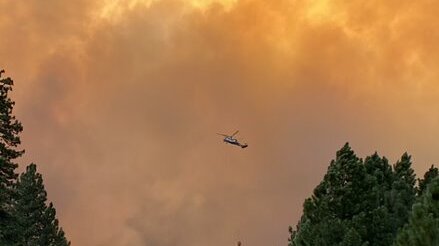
26 217
370 203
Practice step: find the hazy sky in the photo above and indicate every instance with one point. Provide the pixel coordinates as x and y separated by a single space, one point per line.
121 100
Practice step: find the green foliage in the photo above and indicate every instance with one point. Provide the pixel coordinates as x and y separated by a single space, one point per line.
10 128
36 222
334 202
432 173
403 193
25 219
358 202
352 238
423 226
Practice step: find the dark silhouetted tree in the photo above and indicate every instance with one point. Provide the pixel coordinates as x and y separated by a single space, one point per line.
403 193
336 200
25 219
10 129
357 203
423 226
432 173
36 222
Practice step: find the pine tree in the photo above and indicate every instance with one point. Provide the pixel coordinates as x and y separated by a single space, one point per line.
336 200
403 193
374 219
352 238
357 203
52 232
10 129
36 222
23 212
432 173
423 226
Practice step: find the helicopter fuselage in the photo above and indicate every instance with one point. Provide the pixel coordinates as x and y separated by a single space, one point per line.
229 139
233 141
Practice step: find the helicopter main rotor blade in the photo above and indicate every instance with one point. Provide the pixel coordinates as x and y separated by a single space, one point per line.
223 134
235 133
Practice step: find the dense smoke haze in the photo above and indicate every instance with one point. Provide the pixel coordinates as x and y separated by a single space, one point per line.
121 102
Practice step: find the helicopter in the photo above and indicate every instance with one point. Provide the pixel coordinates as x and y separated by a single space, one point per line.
234 141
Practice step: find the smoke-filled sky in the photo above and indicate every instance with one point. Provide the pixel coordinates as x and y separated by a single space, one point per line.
121 101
